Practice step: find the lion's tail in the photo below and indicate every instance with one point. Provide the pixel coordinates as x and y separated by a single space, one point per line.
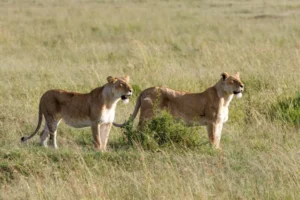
134 114
24 139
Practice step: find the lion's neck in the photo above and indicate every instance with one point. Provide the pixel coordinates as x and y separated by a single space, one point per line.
109 99
223 95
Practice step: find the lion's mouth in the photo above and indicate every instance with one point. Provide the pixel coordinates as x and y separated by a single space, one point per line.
124 97
238 94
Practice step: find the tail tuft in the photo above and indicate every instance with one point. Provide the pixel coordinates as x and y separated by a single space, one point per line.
23 139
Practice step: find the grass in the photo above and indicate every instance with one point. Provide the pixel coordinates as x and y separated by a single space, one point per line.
287 110
162 131
185 45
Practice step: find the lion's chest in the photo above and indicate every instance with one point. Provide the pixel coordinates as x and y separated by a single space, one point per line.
107 115
224 114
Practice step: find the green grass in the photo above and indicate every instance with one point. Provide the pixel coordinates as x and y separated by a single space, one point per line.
185 45
287 110
161 132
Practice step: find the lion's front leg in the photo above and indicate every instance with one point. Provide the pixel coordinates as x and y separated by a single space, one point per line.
219 134
96 135
214 131
104 133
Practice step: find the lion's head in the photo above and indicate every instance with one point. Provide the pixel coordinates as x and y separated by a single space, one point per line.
232 84
121 87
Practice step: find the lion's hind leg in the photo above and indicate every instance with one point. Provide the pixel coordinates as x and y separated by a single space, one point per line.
146 113
53 133
44 136
145 116
50 129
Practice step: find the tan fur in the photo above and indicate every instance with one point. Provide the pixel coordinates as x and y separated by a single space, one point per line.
95 109
208 108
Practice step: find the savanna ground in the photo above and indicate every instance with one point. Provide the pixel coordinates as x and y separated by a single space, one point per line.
74 45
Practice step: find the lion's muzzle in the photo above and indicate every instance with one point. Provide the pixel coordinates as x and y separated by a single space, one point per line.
125 97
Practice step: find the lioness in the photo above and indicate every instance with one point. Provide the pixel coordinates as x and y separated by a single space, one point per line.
95 109
208 108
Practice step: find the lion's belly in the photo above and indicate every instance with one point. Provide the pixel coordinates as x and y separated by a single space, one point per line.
190 118
77 123
194 122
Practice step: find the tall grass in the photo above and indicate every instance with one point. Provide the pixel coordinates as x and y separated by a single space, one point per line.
74 45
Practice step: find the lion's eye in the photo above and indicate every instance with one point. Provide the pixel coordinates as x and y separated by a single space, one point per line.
121 85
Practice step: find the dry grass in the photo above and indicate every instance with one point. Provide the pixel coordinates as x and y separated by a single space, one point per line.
75 45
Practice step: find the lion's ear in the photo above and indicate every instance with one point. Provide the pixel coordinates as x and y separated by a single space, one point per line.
127 79
224 76
110 79
237 75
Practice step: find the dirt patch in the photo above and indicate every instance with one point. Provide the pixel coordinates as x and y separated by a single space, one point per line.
267 16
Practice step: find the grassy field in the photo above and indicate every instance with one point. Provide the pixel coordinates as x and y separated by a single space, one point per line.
74 45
